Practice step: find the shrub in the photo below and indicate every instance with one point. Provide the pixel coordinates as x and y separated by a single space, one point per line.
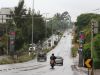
74 51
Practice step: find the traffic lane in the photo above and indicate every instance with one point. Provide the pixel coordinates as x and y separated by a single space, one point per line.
22 67
63 49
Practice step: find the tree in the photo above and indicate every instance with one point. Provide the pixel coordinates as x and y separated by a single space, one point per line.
18 14
84 24
59 21
84 19
23 23
64 15
39 28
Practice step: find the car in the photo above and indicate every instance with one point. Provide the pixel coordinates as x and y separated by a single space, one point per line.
41 57
30 49
59 60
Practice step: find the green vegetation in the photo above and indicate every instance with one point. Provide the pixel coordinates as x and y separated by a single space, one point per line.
74 51
96 51
18 59
21 24
24 58
59 22
83 24
6 61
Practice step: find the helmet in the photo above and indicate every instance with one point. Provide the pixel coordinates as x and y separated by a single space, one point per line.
53 54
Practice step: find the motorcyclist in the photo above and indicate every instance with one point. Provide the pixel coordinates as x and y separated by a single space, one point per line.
52 61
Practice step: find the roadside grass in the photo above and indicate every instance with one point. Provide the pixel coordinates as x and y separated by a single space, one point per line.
7 60
22 58
74 50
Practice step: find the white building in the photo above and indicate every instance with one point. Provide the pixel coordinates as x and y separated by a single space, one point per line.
5 14
50 42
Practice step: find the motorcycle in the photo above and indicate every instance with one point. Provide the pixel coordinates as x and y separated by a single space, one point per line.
52 63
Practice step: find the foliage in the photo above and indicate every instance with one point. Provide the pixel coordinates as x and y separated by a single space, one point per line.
96 63
83 24
59 22
22 58
97 46
87 51
74 51
6 61
23 23
84 19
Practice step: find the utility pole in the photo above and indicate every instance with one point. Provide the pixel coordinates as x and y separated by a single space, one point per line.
81 44
94 30
32 22
52 32
46 26
92 73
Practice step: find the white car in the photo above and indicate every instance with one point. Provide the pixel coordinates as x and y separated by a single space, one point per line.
30 48
59 60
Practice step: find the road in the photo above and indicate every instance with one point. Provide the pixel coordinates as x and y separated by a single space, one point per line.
43 68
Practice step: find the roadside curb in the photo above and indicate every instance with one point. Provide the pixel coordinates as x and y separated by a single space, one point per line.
81 69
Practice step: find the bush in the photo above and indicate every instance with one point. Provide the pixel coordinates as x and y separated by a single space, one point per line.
46 50
22 58
74 51
25 57
6 61
96 63
87 51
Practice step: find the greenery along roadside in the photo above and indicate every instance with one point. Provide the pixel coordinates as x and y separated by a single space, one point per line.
96 52
23 58
83 24
74 48
22 24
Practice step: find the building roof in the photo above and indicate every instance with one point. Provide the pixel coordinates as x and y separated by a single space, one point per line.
6 10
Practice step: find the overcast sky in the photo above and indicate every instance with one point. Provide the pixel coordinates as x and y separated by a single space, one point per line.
74 7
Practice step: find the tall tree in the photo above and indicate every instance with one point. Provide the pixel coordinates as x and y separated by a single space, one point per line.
19 12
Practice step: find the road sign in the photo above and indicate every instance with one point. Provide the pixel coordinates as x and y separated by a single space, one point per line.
95 30
88 63
12 33
82 36
94 26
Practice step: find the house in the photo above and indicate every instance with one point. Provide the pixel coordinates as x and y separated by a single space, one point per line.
50 42
5 14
